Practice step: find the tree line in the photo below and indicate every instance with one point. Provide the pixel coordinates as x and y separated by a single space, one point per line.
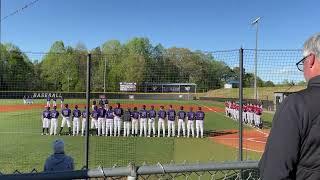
63 68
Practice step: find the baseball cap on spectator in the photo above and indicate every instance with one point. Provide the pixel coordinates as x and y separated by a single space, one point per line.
58 146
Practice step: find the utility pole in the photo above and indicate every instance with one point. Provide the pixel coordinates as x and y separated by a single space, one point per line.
256 22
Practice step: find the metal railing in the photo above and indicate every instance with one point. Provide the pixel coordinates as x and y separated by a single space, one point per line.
228 170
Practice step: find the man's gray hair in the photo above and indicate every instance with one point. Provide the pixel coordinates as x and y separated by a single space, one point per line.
312 45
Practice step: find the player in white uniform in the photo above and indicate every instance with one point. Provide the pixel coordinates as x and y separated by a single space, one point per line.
48 101
24 99
61 102
54 101
94 103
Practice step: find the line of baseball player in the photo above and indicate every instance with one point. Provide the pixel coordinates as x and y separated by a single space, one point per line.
251 113
107 121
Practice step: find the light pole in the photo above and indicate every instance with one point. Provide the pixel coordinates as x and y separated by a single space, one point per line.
256 22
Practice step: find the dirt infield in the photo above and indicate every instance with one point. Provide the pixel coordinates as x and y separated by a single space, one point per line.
253 140
12 108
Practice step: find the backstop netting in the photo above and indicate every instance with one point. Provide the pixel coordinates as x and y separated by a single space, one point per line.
136 74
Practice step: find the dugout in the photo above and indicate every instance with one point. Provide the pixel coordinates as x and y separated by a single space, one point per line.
170 87
279 97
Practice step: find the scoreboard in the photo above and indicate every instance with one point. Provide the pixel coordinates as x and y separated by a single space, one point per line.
128 86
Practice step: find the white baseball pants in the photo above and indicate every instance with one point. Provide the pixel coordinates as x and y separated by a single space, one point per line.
126 128
161 125
75 127
143 126
134 126
199 128
101 126
190 128
151 126
171 127
94 123
45 123
117 125
83 126
109 127
53 126
64 121
181 125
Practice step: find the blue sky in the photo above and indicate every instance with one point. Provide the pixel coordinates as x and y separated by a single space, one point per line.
206 25
199 25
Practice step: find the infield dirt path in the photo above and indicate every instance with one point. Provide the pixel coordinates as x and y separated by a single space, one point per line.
12 108
253 139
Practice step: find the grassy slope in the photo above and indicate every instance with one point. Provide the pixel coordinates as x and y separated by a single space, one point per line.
265 93
26 149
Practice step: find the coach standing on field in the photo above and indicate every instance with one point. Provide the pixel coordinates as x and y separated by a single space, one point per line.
293 146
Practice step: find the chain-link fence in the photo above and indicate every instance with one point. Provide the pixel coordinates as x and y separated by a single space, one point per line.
214 171
135 76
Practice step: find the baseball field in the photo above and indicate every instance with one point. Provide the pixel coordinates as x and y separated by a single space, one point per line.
23 148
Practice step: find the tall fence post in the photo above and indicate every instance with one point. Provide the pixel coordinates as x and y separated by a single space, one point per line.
240 102
88 110
240 105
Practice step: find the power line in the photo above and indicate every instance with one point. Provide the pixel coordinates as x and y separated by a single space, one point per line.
19 10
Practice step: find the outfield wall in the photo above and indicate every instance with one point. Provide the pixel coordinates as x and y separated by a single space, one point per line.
95 95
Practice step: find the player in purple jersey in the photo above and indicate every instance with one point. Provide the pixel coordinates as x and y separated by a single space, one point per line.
135 119
48 100
191 117
181 124
46 117
54 101
162 114
85 114
199 122
118 112
66 113
54 121
109 121
101 120
94 119
143 121
76 118
171 121
151 121
126 122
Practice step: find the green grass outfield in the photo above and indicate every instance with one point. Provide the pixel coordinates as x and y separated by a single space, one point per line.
264 93
23 148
